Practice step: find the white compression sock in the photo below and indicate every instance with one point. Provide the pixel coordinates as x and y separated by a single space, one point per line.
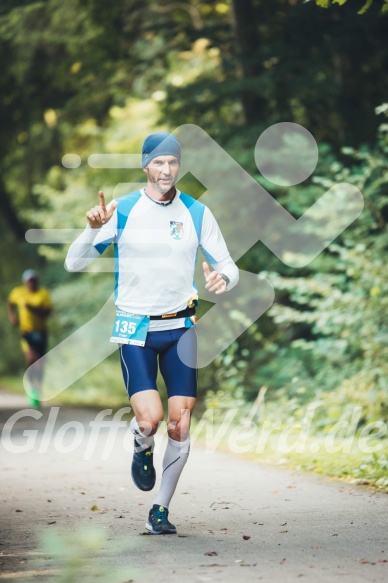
174 461
144 441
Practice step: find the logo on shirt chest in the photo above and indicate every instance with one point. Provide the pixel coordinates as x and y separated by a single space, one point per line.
176 230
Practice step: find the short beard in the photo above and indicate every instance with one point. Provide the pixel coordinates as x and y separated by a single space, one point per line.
159 187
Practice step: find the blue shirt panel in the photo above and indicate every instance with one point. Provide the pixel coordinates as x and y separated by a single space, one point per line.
196 210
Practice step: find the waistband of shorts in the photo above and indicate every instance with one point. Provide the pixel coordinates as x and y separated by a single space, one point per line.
186 313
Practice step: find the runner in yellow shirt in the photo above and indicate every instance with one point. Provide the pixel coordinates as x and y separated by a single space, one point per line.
29 307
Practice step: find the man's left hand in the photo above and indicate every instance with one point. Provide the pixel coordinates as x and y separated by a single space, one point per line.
214 281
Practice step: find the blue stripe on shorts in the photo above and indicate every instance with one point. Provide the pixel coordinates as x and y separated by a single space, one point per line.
140 363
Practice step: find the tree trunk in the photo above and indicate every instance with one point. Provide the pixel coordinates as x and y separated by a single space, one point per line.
9 215
247 44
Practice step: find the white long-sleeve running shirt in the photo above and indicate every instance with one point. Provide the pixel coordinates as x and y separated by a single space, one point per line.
155 248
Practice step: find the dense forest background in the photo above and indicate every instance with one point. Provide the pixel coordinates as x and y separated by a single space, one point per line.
86 76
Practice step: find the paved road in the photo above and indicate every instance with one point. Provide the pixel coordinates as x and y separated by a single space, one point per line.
236 519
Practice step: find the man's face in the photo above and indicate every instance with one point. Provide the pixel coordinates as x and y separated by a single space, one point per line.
32 284
162 172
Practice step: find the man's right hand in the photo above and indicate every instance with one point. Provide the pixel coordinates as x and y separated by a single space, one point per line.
99 215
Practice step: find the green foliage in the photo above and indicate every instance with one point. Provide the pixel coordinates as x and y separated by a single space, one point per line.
362 10
346 309
63 200
323 343
354 467
373 469
82 555
11 267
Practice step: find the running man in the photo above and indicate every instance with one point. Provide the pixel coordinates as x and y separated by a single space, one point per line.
29 307
156 232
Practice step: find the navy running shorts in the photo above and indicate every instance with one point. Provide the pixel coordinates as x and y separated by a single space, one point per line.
35 340
140 363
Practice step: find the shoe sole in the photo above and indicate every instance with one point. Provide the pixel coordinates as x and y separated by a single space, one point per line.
152 531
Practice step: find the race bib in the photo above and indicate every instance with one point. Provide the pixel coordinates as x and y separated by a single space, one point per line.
130 328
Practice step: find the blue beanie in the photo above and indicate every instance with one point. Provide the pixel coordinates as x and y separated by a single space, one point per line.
160 144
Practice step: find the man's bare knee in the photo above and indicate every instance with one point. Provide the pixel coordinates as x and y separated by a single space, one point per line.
148 425
179 429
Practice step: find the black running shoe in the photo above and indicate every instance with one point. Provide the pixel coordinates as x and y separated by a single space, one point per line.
158 522
143 471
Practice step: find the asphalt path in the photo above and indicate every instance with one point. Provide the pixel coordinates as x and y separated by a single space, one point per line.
69 512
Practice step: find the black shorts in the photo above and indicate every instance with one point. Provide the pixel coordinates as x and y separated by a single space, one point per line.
37 341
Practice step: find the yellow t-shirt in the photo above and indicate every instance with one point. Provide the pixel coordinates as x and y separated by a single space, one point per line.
28 321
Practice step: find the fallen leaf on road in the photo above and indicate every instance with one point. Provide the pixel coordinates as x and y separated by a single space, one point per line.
211 553
94 508
283 530
284 524
246 537
18 510
52 522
